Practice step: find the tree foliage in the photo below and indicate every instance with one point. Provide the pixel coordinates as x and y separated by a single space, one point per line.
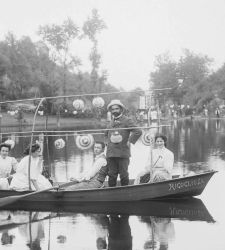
50 67
91 28
37 69
165 74
188 77
59 39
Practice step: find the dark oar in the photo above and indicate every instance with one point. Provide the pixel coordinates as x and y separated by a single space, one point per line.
10 199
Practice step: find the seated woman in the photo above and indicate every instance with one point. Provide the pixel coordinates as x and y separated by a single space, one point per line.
160 163
95 177
7 165
20 178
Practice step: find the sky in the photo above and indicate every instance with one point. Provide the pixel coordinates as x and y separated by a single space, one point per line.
137 31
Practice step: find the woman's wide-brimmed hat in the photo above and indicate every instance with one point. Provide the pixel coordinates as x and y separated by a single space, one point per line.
115 102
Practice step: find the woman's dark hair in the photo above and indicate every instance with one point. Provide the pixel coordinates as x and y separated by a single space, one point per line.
5 145
162 137
34 148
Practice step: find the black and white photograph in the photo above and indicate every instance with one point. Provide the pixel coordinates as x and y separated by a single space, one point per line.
112 125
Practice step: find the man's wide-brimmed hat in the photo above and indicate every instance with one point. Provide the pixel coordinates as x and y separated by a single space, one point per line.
115 102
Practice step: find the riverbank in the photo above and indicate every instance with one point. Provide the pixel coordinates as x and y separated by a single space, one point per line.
8 122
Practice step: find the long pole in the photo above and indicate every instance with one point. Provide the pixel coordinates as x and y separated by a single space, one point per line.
30 227
158 116
49 233
0 118
151 142
152 231
84 130
31 140
80 95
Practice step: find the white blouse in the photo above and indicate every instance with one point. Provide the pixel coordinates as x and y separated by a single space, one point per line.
6 166
162 159
35 168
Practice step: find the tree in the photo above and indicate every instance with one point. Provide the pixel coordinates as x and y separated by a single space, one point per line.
185 77
193 67
193 70
59 38
217 80
4 65
165 74
19 70
91 28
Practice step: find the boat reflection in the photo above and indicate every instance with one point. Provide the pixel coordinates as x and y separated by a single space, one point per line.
190 209
112 226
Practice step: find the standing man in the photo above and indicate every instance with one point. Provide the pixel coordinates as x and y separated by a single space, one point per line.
122 131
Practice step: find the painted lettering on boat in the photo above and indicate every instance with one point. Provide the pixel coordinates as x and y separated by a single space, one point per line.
185 184
186 212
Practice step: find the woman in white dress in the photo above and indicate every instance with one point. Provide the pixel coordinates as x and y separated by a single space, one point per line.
7 165
20 178
160 163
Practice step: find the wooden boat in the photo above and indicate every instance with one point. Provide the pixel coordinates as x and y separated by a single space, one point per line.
191 209
175 188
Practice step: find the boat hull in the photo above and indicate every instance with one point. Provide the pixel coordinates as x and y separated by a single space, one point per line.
176 188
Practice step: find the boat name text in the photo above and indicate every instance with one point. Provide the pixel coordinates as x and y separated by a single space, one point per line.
185 184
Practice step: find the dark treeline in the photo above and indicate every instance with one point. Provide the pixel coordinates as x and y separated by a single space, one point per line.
191 80
50 67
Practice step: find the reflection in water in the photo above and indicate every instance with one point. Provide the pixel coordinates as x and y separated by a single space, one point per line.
161 232
182 143
95 231
192 141
29 225
101 223
6 237
61 239
119 233
197 147
33 233
218 124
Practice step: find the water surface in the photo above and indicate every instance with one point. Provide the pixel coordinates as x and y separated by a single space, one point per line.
198 145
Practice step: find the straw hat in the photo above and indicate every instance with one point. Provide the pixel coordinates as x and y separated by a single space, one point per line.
115 102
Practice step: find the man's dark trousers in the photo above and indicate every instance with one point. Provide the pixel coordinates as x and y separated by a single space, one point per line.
117 166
